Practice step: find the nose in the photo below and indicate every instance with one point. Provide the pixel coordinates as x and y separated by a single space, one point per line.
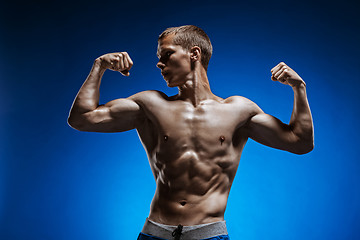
160 65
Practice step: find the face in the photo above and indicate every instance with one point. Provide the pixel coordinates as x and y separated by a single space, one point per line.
174 62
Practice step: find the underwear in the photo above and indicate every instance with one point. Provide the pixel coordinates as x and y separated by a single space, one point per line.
210 231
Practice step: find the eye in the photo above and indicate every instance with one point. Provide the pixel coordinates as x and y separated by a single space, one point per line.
165 55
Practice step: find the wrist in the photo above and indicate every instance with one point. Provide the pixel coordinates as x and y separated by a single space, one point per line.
299 85
99 65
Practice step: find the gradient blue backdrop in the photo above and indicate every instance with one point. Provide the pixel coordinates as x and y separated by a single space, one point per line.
57 183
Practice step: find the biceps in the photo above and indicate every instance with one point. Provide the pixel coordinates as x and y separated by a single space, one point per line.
116 116
270 131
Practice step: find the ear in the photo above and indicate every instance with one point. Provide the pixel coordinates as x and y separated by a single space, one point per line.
195 53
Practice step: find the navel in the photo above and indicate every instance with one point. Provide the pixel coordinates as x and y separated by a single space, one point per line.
183 203
221 139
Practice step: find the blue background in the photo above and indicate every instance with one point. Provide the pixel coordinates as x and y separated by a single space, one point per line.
58 183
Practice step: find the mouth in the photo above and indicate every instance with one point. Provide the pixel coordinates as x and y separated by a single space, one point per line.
164 73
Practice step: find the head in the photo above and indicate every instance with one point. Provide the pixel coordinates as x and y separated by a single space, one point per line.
189 36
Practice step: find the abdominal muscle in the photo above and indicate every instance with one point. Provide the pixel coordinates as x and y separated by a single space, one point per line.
191 190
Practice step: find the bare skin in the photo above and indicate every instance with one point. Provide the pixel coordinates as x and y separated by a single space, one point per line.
194 139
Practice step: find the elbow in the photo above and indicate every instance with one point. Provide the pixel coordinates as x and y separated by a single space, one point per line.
304 147
303 143
75 123
72 123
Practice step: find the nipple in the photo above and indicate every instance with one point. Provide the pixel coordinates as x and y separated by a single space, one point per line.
166 137
221 139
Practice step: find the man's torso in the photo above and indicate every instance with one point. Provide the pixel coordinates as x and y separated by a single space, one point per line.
194 153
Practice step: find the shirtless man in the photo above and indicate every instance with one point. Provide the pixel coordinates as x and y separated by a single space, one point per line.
194 139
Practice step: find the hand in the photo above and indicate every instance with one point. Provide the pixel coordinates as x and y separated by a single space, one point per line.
119 61
284 74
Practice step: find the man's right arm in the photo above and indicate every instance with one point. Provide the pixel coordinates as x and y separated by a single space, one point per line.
115 116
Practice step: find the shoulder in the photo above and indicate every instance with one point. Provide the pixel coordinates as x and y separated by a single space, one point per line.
149 97
243 104
149 94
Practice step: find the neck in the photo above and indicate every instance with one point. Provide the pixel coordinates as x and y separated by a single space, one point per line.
197 87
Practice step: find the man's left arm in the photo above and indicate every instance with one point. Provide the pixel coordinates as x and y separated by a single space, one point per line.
297 136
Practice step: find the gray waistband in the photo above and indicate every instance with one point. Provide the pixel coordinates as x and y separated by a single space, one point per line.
195 232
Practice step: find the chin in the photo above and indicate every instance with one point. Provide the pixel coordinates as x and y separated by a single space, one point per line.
174 83
171 85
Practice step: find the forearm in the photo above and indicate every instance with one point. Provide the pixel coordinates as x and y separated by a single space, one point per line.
301 121
87 98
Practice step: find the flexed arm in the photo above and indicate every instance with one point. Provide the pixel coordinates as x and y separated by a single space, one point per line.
119 115
297 136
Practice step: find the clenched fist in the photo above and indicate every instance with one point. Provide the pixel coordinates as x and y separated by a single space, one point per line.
119 61
284 74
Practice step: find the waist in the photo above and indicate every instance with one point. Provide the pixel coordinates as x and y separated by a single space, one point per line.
201 231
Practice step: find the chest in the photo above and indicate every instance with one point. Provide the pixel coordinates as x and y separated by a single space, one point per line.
204 124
